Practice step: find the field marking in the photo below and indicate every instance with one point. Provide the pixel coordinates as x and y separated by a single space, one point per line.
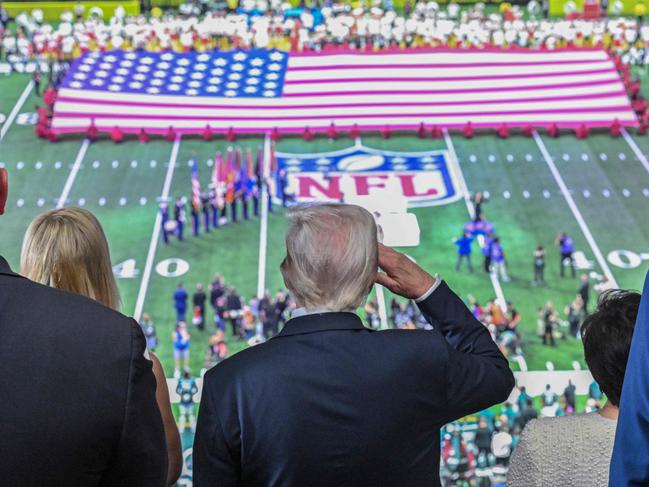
73 174
14 112
520 360
464 189
263 228
155 235
636 150
575 210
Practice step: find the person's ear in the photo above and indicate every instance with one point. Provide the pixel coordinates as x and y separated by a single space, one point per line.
4 189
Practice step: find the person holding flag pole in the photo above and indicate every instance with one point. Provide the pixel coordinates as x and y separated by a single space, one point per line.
271 181
216 195
196 198
243 184
229 186
238 192
258 180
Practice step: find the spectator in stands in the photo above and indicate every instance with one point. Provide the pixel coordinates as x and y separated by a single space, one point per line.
483 439
313 372
583 455
501 445
569 395
521 401
67 249
528 414
548 398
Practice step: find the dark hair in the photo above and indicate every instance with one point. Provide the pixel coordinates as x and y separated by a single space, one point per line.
606 335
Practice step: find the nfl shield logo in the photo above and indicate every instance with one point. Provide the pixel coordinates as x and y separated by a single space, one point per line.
422 178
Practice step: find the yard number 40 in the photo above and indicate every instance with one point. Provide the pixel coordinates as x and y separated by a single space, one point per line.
172 267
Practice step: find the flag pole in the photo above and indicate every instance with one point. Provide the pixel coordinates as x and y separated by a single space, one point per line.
263 230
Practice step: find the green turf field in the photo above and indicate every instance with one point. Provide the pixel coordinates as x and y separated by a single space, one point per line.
604 209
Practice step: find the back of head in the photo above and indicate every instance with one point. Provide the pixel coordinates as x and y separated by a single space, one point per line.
607 337
67 249
331 256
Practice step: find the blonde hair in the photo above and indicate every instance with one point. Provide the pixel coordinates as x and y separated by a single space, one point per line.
67 249
331 256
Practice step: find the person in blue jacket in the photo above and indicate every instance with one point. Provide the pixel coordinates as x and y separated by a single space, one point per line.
630 461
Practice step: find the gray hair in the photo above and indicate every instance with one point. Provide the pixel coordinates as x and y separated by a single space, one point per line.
331 256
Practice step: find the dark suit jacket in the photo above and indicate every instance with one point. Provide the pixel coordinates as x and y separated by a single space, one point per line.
77 403
329 402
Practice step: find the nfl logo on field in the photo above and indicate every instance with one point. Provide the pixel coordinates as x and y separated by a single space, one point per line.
421 178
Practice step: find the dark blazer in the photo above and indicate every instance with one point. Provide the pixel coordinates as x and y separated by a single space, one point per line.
78 403
331 403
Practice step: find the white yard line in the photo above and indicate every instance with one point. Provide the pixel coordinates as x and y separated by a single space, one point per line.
14 113
459 177
263 229
522 364
155 235
636 150
73 174
575 210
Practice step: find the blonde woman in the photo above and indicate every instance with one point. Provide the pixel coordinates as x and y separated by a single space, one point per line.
67 249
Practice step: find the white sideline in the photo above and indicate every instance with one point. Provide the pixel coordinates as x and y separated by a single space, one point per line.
459 177
263 230
575 210
14 112
73 174
155 235
636 150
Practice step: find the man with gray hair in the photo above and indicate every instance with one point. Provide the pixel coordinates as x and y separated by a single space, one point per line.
328 402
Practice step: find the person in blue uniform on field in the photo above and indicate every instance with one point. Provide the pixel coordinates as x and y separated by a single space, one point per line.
464 250
180 302
486 251
567 248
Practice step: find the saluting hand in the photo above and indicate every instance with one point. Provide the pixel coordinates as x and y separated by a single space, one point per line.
401 275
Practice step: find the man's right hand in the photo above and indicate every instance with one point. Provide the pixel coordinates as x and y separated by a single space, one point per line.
401 275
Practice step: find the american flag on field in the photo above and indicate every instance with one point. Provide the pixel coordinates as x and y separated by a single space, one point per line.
196 186
258 90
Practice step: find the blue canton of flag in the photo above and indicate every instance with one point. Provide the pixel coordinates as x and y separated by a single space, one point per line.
256 73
